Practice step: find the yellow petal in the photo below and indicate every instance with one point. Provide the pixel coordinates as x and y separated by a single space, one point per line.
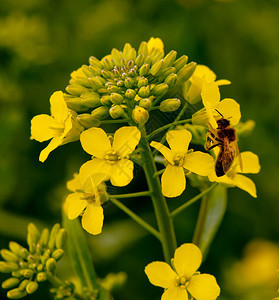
167 152
173 181
199 163
160 274
54 143
93 218
175 293
92 182
74 184
250 162
179 140
155 43
75 205
204 287
42 128
78 73
192 90
122 172
187 259
245 184
223 82
95 142
205 73
126 139
210 94
230 109
223 179
96 166
58 107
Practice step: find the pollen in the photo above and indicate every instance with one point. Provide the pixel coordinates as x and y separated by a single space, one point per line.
112 157
179 160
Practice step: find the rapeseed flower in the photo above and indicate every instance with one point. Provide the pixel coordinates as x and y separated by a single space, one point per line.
178 158
184 278
234 177
192 88
110 159
87 199
60 127
215 109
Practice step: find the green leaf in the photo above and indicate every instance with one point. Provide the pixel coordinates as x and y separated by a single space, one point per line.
216 204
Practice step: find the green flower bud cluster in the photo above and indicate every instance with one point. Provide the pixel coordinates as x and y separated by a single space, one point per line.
64 291
29 267
124 80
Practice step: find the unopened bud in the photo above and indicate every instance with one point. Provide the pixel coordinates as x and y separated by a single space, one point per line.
180 62
169 105
157 68
28 273
127 47
100 113
105 100
86 70
51 265
139 60
23 284
171 80
44 237
75 89
87 120
116 111
170 58
144 92
145 103
160 89
130 94
116 55
54 230
75 104
61 238
140 115
9 256
33 234
57 254
143 49
144 69
95 71
108 64
18 250
166 73
10 283
132 54
142 81
90 100
8 267
95 82
186 72
95 61
128 82
16 294
42 276
32 287
116 98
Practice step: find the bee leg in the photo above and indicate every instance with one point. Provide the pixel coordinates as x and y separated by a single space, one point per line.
213 146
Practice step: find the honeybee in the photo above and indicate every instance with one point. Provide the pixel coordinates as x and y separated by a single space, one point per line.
224 137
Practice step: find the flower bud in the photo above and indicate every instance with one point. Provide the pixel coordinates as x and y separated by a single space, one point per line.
10 283
143 49
116 98
160 89
9 256
100 113
157 68
139 60
171 80
186 72
42 276
51 264
16 294
127 47
108 64
80 81
105 100
95 82
142 81
95 71
87 70
28 273
169 105
32 287
18 250
8 267
116 111
166 73
180 62
130 94
61 238
128 82
95 62
144 92
23 284
132 54
170 58
144 69
116 55
57 254
75 104
33 234
145 103
87 120
90 100
140 115
54 231
75 89
44 237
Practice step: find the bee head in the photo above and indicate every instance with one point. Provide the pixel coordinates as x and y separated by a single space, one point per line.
223 123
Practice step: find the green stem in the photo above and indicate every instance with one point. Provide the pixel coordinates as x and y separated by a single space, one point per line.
132 195
165 224
114 121
136 218
155 132
191 201
159 172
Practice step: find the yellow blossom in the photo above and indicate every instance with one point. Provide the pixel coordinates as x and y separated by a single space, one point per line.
60 127
228 107
155 44
250 162
184 278
178 159
110 159
192 88
87 198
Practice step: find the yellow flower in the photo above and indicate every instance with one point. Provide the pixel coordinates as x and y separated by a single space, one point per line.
87 197
184 278
250 163
155 44
193 87
229 108
110 159
60 127
178 159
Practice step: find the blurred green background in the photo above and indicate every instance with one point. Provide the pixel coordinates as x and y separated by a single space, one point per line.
42 42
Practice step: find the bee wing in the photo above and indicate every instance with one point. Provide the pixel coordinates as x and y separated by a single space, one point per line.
228 155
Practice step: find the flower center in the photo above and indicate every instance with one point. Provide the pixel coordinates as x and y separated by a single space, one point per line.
112 157
182 281
178 160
